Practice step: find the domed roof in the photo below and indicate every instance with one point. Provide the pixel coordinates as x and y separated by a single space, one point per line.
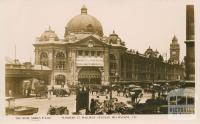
114 39
149 52
48 34
84 23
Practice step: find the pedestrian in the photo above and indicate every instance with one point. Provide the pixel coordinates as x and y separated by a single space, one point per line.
106 91
133 99
92 107
57 110
66 111
26 92
51 110
118 92
49 95
29 91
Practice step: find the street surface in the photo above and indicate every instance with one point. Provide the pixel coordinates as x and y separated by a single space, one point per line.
70 102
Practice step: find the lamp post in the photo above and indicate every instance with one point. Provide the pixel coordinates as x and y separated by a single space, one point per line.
110 89
115 80
153 88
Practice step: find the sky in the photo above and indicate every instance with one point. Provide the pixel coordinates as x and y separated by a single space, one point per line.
139 23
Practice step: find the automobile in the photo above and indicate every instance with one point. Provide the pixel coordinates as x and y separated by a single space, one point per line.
11 109
24 110
116 87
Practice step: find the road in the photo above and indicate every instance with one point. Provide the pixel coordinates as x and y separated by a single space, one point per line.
44 104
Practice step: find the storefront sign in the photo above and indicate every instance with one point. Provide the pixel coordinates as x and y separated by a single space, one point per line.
89 61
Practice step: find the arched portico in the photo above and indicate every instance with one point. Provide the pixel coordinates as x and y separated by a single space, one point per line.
60 79
89 75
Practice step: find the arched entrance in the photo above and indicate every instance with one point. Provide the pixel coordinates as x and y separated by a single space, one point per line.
89 75
60 79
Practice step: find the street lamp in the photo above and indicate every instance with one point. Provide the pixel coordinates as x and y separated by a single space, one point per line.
110 89
115 80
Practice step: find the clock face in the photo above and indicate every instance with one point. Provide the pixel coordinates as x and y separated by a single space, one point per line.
90 44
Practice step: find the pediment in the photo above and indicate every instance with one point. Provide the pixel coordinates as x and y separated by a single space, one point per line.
90 41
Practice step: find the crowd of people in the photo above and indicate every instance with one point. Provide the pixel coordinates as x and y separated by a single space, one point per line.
112 106
108 106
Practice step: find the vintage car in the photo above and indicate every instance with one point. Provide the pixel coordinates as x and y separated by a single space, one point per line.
24 110
11 109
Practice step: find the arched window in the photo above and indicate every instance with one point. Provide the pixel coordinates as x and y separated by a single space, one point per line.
112 57
60 55
90 28
44 59
60 60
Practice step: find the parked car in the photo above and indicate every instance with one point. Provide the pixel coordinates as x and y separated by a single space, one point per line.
11 109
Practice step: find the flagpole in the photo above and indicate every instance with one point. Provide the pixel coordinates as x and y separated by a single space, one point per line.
15 54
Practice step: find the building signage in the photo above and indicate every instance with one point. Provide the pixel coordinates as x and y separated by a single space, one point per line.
89 61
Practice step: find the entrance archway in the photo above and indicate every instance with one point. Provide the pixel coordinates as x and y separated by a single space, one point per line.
60 79
89 75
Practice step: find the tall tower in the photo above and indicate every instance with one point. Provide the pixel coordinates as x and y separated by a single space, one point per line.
174 50
190 40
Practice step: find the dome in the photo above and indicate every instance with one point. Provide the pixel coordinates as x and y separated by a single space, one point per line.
48 35
114 39
84 23
149 52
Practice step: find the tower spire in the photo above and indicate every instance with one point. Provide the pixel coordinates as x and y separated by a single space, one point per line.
174 38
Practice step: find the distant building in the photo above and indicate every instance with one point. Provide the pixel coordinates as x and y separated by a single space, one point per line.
149 67
86 56
174 51
17 73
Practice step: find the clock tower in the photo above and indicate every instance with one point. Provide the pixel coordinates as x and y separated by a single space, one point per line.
174 51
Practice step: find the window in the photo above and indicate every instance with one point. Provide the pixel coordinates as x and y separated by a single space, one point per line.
60 64
112 57
181 100
98 53
113 65
60 60
80 53
90 28
173 100
60 55
92 53
86 53
190 100
44 59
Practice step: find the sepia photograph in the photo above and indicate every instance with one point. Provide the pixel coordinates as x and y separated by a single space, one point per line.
85 58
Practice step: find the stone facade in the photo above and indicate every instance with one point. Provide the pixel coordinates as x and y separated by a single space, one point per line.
85 56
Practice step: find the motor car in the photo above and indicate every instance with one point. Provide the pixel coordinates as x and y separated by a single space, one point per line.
11 109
